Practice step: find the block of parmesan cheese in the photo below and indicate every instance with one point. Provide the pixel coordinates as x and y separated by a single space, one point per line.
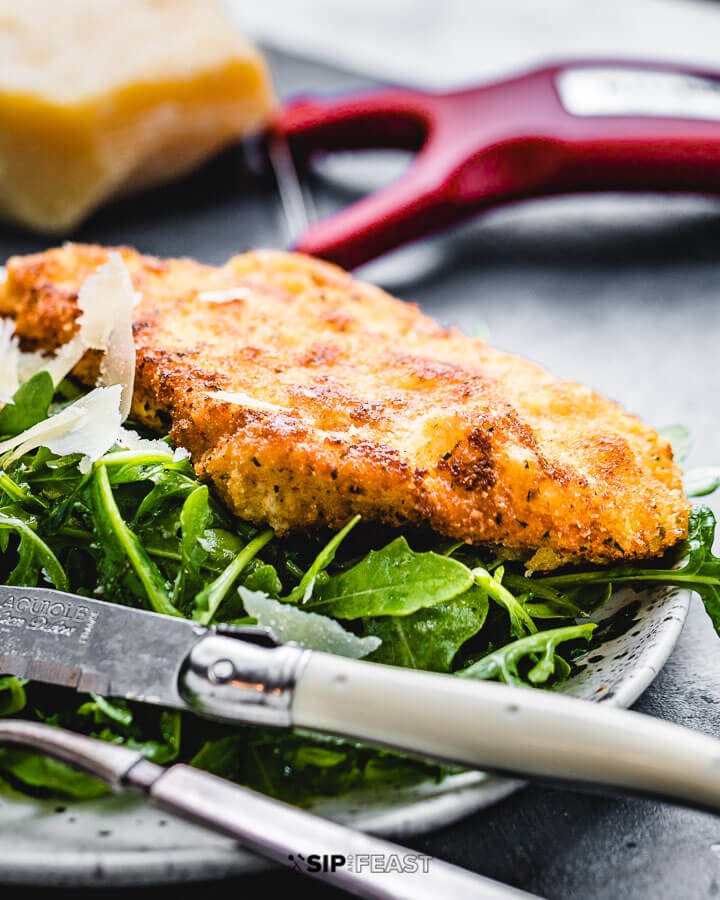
102 97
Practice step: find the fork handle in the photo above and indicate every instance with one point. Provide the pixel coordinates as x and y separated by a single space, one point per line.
359 863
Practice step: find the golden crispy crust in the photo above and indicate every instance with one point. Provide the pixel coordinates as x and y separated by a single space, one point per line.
351 401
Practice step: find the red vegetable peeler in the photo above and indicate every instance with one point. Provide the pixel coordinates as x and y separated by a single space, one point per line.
564 128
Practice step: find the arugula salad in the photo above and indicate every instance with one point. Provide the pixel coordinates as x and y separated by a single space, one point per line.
135 526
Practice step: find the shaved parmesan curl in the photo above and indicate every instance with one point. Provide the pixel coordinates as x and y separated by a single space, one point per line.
90 426
105 300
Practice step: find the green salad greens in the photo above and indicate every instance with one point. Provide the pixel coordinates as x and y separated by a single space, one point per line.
137 527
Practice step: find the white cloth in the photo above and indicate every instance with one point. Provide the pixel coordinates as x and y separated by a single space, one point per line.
449 43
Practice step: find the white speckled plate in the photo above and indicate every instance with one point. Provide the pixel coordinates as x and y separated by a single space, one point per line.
122 841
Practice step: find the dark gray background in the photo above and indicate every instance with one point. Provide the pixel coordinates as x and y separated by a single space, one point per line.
617 292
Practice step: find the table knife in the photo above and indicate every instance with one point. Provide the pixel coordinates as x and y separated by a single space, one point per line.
241 674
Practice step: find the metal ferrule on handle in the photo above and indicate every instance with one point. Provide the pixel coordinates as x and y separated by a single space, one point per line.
233 679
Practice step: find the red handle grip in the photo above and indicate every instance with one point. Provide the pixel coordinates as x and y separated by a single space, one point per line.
502 142
398 118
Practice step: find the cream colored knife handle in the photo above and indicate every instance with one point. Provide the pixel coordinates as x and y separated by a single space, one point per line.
525 732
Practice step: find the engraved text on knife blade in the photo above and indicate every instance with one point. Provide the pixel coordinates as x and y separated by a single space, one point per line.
91 645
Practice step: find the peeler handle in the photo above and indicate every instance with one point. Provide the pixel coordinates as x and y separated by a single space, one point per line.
391 117
626 127
565 128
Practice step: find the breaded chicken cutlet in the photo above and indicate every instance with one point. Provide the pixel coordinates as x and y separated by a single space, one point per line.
305 397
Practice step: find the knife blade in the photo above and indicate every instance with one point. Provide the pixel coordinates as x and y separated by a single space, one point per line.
241 674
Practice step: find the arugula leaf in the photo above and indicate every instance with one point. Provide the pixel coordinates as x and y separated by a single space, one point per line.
168 484
504 663
701 481
38 771
299 767
30 405
35 560
304 589
698 569
319 757
123 546
222 547
431 637
17 493
194 519
103 710
545 602
521 622
12 695
679 438
394 580
263 577
50 478
165 750
208 601
584 599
